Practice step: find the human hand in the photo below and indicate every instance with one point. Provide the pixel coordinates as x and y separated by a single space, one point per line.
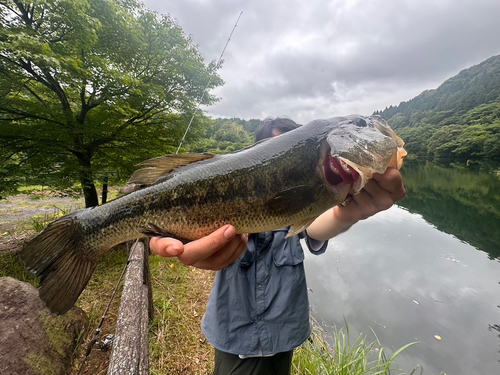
379 194
213 252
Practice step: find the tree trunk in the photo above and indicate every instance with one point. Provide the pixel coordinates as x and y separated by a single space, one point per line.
89 192
104 190
88 186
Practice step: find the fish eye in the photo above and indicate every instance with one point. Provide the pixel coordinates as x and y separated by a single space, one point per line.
361 122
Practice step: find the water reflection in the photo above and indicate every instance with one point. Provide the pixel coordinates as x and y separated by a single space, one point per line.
462 202
397 274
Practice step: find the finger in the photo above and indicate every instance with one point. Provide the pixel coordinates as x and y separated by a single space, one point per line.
378 198
225 256
391 181
240 249
166 247
370 200
364 204
373 190
206 246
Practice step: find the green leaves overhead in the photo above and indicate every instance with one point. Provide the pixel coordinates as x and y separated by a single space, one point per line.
84 82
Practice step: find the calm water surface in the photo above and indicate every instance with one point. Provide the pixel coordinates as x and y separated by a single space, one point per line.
428 267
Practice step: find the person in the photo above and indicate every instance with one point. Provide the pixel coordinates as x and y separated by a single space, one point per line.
258 309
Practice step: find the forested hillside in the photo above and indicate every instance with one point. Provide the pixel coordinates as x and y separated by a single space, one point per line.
457 122
224 135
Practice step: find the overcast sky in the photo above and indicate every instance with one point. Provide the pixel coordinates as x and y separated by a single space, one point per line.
311 59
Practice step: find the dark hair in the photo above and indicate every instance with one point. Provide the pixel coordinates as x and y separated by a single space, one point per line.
280 124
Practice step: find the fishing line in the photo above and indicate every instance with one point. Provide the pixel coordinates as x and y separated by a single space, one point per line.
98 330
208 83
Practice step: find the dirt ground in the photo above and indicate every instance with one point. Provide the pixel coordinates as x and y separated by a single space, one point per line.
17 213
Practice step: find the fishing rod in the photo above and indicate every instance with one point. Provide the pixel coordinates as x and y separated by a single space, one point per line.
208 83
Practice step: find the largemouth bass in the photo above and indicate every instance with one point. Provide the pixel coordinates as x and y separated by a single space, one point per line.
287 180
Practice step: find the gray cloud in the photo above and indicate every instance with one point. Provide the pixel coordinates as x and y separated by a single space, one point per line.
324 58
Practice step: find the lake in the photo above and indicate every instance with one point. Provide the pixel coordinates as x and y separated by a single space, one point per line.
429 266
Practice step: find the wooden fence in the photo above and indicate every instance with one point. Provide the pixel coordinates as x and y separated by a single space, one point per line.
130 353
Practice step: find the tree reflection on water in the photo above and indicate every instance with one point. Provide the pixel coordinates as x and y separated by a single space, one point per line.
458 201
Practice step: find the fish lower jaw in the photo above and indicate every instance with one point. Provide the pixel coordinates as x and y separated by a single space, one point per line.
337 171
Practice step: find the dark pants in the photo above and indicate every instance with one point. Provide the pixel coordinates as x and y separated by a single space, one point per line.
230 364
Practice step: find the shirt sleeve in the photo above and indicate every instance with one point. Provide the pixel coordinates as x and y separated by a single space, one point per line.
315 247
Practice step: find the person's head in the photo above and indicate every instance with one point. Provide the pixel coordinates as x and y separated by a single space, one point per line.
272 127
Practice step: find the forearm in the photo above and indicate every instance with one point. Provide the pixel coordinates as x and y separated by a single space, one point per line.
328 225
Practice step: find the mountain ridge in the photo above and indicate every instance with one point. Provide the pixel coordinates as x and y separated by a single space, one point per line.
457 122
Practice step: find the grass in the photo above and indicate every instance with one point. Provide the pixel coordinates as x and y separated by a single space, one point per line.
93 301
180 294
30 189
39 222
345 357
177 345
11 265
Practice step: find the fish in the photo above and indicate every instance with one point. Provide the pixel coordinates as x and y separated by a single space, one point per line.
282 181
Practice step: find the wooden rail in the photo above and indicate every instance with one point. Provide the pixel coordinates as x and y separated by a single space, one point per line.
130 353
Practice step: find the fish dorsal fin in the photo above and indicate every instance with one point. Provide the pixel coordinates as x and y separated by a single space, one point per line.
162 165
292 200
299 227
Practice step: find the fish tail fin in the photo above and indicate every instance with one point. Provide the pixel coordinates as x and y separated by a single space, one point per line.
58 255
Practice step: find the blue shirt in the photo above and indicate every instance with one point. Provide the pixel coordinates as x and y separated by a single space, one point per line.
259 304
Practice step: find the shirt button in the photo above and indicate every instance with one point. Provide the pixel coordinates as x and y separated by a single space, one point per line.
261 287
261 257
259 318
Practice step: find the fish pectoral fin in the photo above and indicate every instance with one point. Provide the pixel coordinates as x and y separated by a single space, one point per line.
292 200
155 231
162 165
299 227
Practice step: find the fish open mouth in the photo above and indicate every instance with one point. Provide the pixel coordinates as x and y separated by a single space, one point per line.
337 171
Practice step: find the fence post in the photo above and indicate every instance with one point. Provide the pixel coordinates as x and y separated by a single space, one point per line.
130 353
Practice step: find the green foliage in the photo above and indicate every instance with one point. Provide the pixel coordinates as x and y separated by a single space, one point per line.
41 221
231 132
226 135
11 265
88 86
416 140
345 357
458 121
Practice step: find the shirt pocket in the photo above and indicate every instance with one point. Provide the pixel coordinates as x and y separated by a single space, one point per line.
287 251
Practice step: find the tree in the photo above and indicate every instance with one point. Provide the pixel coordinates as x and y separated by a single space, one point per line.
458 121
93 85
232 132
416 140
443 142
